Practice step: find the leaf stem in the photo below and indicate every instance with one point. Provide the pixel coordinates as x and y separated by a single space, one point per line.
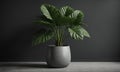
59 36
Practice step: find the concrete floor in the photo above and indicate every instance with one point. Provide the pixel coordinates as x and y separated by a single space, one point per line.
73 67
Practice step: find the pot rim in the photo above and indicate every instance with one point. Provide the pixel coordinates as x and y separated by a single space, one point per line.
58 46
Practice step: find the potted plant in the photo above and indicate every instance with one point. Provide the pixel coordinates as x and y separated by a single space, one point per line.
56 22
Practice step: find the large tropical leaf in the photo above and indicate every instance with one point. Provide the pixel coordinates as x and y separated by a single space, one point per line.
50 11
66 11
84 32
76 17
76 13
42 37
77 32
46 12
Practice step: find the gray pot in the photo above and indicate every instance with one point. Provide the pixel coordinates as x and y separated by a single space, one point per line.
58 56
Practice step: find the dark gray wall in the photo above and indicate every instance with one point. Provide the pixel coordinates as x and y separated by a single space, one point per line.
16 29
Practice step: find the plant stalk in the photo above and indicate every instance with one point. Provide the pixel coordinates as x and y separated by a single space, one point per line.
59 36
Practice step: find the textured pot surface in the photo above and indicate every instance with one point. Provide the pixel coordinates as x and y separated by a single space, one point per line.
58 56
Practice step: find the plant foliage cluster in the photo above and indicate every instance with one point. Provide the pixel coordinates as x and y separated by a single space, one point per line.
57 21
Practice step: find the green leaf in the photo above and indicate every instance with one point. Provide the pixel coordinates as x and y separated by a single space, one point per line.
45 23
50 11
42 20
53 13
80 16
75 33
78 32
42 37
45 12
76 13
66 11
76 17
84 32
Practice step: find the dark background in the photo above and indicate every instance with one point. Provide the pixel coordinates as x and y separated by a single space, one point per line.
16 30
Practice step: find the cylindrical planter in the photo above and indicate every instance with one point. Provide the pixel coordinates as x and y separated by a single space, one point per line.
58 56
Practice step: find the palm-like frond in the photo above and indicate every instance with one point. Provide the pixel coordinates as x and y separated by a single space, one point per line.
45 23
42 37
